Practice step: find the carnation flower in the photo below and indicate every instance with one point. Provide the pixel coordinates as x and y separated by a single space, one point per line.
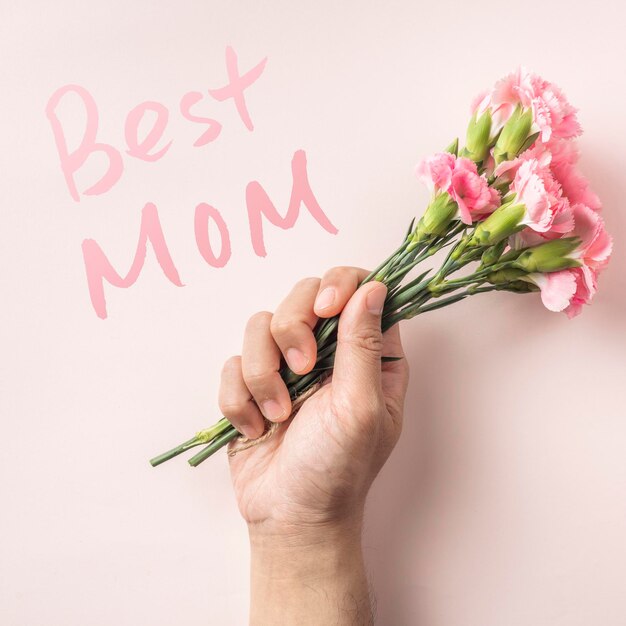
575 186
535 201
567 290
435 171
586 287
561 157
459 178
476 199
553 115
546 235
540 193
556 288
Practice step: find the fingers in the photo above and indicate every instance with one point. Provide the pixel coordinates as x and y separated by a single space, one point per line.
260 362
294 320
336 288
357 371
251 386
236 403
292 326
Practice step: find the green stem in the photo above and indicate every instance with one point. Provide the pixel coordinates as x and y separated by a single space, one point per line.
170 454
213 447
403 302
200 438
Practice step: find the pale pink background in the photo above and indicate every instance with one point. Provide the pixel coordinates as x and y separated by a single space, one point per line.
505 501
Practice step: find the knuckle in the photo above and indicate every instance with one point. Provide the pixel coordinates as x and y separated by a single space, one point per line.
283 329
257 378
308 282
232 364
232 408
338 270
280 326
367 340
260 318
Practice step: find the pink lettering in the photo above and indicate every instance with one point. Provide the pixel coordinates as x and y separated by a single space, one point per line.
141 149
237 84
214 127
71 162
98 268
205 212
259 204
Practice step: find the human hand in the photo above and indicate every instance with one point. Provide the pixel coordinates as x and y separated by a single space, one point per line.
317 468
302 491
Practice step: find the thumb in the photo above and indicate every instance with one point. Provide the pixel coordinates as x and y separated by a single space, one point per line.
357 367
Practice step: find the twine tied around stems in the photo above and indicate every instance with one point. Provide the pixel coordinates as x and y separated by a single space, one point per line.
243 443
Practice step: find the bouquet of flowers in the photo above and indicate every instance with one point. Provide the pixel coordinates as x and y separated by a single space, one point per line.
510 209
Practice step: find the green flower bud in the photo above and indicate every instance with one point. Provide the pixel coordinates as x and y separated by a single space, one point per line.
453 148
522 286
549 257
508 275
514 135
477 142
492 254
502 223
437 217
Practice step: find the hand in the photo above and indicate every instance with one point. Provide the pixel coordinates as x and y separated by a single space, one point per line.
302 491
318 468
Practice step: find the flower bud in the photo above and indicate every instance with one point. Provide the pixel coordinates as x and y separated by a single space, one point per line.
502 223
552 256
437 217
505 276
512 279
522 286
453 148
492 254
477 142
514 135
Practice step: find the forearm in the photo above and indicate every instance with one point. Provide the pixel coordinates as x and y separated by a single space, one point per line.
310 577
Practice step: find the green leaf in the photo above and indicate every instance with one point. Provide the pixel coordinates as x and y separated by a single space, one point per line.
438 304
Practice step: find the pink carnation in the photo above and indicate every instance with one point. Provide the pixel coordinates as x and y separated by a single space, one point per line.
476 199
436 171
596 244
569 289
553 115
557 289
586 281
546 207
561 157
575 186
458 176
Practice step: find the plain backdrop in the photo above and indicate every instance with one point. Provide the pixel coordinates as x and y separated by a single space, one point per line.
504 503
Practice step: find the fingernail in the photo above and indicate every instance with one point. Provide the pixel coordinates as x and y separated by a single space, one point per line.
375 300
296 359
272 410
325 298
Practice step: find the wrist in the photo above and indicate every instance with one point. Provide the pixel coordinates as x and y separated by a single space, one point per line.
292 567
277 535
295 550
